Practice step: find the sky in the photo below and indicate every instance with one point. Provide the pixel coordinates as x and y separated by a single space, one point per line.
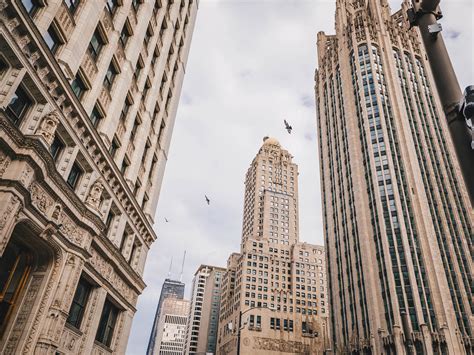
251 65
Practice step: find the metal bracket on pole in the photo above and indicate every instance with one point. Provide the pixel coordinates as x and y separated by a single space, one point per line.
467 110
415 14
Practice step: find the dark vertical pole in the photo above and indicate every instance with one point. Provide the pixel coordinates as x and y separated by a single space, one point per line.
427 14
238 333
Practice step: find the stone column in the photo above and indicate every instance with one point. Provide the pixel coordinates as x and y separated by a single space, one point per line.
91 320
10 206
58 311
398 340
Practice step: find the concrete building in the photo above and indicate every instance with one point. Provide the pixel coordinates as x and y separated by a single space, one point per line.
88 98
201 334
398 222
170 289
274 290
171 336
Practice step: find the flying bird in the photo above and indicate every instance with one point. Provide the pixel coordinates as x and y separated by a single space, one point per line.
166 220
207 199
287 126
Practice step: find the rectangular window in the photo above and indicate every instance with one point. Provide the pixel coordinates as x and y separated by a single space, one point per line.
110 219
125 165
72 5
125 34
74 176
139 67
96 44
31 6
78 86
56 148
108 319
112 6
259 322
52 38
272 323
125 108
110 76
76 312
135 248
19 105
96 116
114 147
136 5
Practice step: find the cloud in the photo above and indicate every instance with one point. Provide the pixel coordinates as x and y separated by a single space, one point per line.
251 65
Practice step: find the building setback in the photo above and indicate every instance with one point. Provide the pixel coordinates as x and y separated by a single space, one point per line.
170 289
89 91
201 334
398 222
171 335
274 290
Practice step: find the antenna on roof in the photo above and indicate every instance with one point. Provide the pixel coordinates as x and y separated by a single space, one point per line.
182 267
171 265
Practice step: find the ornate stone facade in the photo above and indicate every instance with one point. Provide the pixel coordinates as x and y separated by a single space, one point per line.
88 98
398 221
274 290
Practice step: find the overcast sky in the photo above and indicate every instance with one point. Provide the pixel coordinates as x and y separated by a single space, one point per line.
251 65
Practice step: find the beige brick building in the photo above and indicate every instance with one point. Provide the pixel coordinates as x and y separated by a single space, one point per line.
397 219
88 98
274 290
201 334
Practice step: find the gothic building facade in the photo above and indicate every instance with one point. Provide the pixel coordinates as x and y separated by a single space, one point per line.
398 222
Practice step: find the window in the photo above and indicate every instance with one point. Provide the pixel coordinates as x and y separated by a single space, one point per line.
139 67
96 116
114 146
19 105
31 6
72 5
136 5
110 75
52 38
74 176
134 130
105 331
76 312
78 86
112 6
110 219
125 165
96 44
125 34
125 108
135 249
56 148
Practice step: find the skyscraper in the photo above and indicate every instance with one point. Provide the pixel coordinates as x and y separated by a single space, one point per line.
274 290
88 97
172 322
398 223
201 334
170 289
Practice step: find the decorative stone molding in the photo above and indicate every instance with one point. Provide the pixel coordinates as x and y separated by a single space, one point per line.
8 216
5 161
106 270
47 127
95 195
281 345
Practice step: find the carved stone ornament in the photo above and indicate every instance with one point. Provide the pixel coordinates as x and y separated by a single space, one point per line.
95 194
4 163
47 127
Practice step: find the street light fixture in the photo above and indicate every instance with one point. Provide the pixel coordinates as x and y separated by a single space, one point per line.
240 322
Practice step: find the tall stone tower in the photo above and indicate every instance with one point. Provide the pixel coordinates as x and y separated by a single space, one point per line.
397 219
274 291
88 97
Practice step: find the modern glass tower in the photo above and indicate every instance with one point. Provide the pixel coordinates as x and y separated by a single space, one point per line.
397 219
170 289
